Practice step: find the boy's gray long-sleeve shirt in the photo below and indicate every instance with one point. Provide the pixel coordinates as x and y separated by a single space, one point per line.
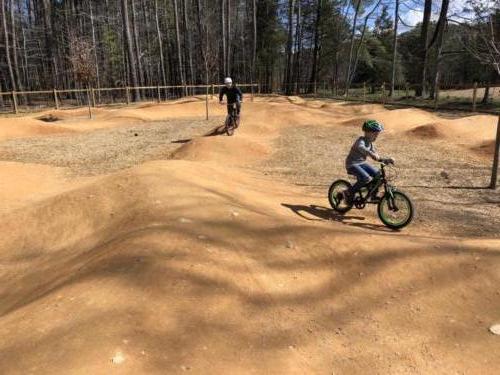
360 150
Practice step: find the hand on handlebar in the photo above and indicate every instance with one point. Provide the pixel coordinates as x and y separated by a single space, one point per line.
388 161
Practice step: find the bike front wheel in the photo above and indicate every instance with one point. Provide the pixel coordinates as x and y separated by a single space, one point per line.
337 194
229 126
395 210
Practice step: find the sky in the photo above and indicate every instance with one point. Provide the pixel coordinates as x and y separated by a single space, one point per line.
411 11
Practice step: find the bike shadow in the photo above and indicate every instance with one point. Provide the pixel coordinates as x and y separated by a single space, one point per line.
320 213
219 130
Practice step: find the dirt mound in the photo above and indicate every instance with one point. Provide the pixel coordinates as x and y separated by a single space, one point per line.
296 100
353 109
210 266
27 127
48 118
426 131
486 148
229 150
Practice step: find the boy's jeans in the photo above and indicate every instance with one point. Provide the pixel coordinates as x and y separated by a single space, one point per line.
364 172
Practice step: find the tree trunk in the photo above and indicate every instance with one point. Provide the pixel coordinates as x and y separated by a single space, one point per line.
228 44
496 156
49 40
137 46
316 43
14 48
298 35
288 71
6 43
351 48
394 48
160 45
424 36
130 50
187 43
223 25
440 40
254 52
94 44
486 96
178 43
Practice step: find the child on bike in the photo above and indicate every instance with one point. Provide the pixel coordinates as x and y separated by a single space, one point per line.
363 148
233 94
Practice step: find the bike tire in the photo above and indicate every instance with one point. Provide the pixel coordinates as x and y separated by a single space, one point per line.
383 209
335 188
229 126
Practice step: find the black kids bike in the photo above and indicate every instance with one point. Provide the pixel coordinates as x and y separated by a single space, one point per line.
232 120
395 208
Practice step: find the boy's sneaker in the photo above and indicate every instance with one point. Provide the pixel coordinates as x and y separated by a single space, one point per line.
345 196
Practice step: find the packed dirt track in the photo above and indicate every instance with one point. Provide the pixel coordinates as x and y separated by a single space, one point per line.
219 255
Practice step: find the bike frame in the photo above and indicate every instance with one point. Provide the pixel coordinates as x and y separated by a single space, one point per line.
373 189
233 116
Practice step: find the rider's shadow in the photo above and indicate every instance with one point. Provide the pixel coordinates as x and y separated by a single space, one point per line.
319 213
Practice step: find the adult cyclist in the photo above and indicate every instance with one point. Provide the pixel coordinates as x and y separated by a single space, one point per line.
233 94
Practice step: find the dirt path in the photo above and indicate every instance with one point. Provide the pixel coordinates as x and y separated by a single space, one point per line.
214 262
446 182
107 150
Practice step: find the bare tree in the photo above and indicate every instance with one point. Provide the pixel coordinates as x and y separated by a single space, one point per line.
317 40
223 27
289 45
357 8
6 44
178 45
94 46
394 47
424 49
130 50
160 45
482 40
82 61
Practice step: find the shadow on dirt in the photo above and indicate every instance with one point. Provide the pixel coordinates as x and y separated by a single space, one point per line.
323 213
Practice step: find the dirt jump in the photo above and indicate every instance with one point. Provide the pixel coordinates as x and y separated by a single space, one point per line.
133 243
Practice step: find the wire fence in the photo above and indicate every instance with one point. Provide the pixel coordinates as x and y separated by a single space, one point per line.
32 101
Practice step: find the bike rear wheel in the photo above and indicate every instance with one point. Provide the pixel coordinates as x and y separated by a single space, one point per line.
395 210
336 196
229 126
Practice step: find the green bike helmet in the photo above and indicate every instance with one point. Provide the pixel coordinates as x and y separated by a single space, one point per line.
372 126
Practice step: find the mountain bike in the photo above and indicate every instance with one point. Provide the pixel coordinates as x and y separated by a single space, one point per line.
394 209
232 119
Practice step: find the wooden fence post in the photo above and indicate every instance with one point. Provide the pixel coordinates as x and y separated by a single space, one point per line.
56 101
474 96
92 93
127 94
407 88
382 93
213 91
206 102
14 101
88 103
252 89
436 94
494 172
364 91
159 93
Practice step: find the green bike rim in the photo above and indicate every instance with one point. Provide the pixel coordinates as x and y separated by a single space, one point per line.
397 217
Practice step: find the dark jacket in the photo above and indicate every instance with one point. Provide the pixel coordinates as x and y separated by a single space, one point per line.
233 94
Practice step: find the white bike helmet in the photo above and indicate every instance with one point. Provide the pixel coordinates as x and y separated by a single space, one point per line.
228 81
